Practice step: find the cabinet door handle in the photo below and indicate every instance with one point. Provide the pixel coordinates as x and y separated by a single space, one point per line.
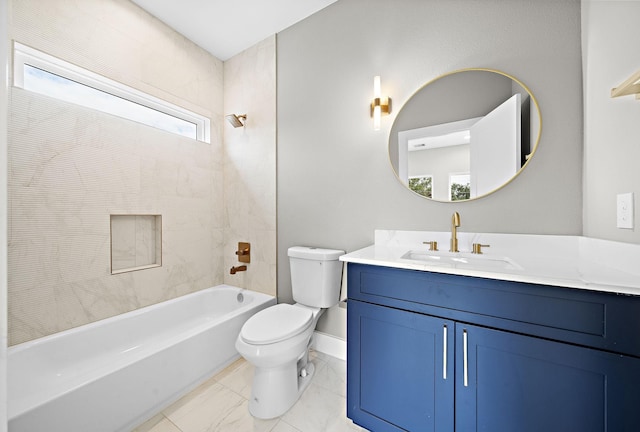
464 358
444 352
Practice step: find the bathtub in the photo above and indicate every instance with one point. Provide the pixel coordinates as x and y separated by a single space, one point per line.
116 373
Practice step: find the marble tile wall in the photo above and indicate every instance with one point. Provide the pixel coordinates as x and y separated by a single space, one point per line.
70 168
250 165
118 39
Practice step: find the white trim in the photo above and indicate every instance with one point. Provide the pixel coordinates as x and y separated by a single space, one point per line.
4 57
330 345
23 54
130 269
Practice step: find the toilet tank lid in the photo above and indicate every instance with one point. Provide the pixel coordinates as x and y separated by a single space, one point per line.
314 253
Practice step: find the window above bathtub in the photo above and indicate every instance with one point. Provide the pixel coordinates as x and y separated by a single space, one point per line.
42 73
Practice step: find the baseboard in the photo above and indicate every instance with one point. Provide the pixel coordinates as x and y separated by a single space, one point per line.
330 345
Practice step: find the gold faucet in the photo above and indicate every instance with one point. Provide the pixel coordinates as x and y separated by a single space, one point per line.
455 223
235 269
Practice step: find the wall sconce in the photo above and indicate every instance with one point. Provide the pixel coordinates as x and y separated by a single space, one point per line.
379 105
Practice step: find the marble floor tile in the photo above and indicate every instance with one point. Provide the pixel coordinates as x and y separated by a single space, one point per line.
282 426
319 410
159 423
237 377
239 420
221 404
205 409
331 374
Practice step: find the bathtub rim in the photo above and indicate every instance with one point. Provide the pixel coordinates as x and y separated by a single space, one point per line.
103 321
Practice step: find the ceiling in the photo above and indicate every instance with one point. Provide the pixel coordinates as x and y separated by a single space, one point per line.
225 28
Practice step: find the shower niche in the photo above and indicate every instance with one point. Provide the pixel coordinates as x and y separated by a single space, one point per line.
136 242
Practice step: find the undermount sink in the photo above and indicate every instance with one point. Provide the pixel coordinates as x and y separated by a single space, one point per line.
461 260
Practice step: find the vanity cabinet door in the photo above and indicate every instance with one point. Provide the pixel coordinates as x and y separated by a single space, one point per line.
400 369
519 383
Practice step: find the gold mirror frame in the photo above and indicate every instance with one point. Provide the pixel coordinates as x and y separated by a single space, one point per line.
535 120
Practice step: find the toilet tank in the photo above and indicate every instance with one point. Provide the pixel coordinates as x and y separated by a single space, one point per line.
316 275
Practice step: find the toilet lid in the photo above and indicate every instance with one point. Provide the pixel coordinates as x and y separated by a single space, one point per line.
276 323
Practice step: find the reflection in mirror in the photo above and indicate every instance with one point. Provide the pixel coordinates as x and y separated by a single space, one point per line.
464 135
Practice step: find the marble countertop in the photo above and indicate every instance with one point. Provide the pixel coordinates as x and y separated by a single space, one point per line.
568 261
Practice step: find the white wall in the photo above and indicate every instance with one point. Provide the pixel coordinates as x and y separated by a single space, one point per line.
335 184
610 34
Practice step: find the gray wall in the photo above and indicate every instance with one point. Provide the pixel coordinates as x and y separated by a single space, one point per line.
612 129
335 183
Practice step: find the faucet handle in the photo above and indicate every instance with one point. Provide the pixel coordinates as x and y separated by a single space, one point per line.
476 248
433 245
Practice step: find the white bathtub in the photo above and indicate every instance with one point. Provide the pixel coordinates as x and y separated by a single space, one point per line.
114 374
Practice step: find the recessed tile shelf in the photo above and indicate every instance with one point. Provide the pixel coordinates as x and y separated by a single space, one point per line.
136 242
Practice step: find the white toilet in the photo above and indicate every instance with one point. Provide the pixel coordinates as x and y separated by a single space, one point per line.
276 340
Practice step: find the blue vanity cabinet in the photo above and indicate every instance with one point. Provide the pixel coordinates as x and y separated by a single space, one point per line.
437 352
401 369
526 384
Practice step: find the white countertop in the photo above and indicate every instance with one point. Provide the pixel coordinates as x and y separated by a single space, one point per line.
568 261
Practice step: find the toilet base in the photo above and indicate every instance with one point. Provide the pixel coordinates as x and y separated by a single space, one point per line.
275 390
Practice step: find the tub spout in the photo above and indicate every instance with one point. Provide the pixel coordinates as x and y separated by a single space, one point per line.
234 269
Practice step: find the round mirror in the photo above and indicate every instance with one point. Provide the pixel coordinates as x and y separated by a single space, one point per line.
464 135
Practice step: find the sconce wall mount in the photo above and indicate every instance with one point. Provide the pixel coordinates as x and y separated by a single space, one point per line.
383 103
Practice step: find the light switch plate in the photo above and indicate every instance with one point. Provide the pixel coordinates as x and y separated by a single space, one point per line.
625 210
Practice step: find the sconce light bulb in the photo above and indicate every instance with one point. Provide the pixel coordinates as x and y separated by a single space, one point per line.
376 86
376 117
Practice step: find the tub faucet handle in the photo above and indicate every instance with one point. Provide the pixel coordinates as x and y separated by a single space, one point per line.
244 252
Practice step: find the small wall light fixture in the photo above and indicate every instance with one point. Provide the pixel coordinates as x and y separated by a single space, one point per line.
236 120
379 105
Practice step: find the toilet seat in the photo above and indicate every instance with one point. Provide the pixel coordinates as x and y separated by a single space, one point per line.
275 324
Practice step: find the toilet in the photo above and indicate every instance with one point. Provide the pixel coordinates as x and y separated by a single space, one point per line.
276 340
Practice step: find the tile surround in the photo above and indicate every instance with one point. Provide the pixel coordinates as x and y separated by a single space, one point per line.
118 39
71 167
221 404
250 165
